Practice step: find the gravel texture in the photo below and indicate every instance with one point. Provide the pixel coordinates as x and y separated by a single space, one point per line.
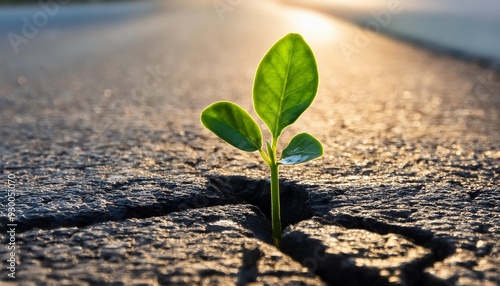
212 246
362 257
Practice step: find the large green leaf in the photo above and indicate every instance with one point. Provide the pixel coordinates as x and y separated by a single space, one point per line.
285 83
302 148
233 124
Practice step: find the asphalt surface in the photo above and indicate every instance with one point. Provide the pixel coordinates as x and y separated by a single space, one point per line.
100 128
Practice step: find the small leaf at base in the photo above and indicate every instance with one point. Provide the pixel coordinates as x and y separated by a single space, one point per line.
302 148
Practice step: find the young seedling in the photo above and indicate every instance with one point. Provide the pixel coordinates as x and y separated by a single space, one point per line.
285 85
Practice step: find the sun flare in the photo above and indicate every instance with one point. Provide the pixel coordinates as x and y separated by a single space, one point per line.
314 26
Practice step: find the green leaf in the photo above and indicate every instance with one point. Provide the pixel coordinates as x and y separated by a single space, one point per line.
232 124
302 148
285 83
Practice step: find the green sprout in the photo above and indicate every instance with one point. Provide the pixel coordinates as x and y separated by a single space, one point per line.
285 85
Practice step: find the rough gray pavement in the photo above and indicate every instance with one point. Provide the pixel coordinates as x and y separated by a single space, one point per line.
362 257
101 129
194 247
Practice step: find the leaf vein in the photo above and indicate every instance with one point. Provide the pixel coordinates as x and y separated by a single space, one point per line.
229 126
299 73
277 72
276 127
271 89
298 103
298 58
298 89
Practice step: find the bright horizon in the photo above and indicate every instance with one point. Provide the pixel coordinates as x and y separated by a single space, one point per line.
456 6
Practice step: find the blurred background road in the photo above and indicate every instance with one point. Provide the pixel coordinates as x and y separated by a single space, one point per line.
185 54
463 28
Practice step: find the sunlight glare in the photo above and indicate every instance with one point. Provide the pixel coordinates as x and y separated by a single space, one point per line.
313 26
348 3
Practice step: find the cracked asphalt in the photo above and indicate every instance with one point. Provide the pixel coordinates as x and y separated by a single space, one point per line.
117 182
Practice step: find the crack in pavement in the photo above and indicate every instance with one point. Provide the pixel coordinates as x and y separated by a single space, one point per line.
299 207
296 209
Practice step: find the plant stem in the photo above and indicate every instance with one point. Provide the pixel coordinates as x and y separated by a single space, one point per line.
275 204
271 160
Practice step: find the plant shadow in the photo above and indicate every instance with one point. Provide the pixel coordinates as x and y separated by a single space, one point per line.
244 190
